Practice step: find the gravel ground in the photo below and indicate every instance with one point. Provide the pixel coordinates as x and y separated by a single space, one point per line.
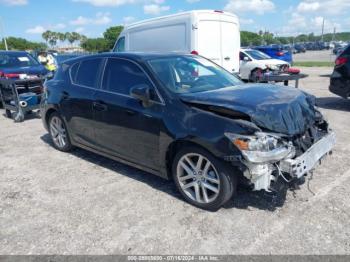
81 203
319 56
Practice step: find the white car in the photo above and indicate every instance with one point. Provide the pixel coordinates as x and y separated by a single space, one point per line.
254 63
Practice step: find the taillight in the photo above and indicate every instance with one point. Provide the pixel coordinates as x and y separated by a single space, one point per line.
279 53
341 61
11 75
194 52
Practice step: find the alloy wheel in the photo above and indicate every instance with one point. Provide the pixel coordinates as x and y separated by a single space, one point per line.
58 132
198 178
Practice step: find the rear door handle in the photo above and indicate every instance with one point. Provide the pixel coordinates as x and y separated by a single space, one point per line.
99 106
130 112
227 58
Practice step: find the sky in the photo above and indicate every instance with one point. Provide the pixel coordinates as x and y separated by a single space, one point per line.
29 18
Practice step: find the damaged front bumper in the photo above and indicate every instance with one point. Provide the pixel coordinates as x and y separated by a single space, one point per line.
263 174
301 165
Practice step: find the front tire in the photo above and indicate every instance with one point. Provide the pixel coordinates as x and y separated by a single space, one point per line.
202 179
58 133
8 113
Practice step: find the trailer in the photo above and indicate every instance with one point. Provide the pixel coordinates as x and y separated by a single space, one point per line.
281 77
20 97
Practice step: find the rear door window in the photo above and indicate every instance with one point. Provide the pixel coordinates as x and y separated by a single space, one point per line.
121 75
86 73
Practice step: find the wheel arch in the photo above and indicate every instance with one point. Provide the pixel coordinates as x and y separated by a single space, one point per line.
48 113
174 147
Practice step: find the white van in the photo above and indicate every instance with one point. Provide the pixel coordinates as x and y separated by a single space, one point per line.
212 34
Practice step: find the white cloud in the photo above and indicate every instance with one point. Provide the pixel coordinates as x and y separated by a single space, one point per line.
14 2
128 19
246 21
327 7
100 19
106 2
58 26
39 29
79 29
154 9
300 24
307 7
116 2
36 30
257 6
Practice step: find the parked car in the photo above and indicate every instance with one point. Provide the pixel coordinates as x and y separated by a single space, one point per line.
340 78
299 48
254 63
23 68
20 65
212 34
277 52
183 117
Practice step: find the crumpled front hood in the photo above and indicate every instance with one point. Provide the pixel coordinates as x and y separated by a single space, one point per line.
279 109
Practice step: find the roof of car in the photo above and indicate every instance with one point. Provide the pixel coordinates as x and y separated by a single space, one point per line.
129 55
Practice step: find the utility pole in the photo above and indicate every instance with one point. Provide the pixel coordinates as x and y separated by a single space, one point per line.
3 33
322 30
333 37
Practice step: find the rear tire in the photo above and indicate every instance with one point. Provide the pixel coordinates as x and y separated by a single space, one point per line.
202 179
58 133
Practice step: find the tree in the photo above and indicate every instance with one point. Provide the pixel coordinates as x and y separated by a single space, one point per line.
249 38
111 35
61 37
53 39
46 36
17 43
95 45
70 37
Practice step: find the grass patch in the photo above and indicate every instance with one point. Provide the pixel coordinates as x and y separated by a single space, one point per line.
314 64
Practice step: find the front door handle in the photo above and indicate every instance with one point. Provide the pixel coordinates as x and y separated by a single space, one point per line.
98 106
227 58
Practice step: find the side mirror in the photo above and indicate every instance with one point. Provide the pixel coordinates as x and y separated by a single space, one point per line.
142 93
246 59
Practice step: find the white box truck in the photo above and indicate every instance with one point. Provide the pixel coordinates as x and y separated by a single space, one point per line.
212 34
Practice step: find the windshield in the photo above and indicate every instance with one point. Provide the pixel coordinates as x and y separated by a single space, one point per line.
190 74
17 60
257 55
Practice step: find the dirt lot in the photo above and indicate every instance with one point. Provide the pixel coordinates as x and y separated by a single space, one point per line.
81 203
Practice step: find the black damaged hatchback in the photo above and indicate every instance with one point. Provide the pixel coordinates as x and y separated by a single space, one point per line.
185 118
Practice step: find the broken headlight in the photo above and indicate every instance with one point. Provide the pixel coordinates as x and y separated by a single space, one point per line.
262 147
